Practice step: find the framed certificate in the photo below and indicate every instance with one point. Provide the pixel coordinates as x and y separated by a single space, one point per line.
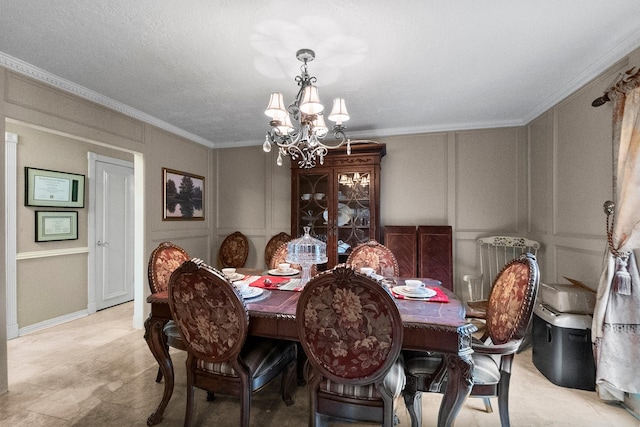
53 189
56 225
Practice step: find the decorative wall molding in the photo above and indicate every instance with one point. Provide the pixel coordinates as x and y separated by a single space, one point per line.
11 274
51 253
26 69
600 65
53 322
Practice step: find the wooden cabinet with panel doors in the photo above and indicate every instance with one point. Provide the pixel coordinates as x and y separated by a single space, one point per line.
339 200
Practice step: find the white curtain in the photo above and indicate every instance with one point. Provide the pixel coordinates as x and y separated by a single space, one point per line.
616 321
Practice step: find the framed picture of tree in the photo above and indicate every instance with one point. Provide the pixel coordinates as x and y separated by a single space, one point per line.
183 196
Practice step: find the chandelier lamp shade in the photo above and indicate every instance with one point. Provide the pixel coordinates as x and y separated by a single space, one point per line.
299 130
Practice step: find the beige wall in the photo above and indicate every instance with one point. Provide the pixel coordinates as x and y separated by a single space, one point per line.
570 164
44 115
54 286
253 197
547 180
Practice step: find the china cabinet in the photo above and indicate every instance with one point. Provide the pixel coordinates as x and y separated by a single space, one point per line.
340 200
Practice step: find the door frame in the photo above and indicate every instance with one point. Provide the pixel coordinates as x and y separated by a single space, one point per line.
11 255
91 228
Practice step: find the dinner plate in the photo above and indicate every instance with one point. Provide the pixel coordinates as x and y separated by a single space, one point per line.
405 291
289 272
344 214
235 276
252 292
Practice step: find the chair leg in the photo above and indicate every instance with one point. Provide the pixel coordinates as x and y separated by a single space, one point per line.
286 386
189 410
314 417
413 402
503 399
159 376
487 404
302 358
388 415
245 407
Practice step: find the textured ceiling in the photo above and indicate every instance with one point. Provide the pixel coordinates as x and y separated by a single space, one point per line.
205 69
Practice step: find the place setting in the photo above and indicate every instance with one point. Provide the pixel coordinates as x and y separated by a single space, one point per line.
415 289
231 274
247 291
284 269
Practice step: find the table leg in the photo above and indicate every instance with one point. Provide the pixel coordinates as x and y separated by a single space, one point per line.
155 338
459 382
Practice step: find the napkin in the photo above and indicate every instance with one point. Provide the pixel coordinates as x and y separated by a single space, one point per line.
440 296
258 282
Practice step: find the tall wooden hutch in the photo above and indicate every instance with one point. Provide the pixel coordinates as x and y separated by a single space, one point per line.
339 200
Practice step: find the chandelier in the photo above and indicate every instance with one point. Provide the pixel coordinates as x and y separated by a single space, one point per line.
304 141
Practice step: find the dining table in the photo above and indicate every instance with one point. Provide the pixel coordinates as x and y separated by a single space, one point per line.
435 326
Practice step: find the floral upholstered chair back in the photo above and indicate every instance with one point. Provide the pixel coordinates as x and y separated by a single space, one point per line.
210 315
272 245
280 256
512 299
162 262
349 326
234 250
375 255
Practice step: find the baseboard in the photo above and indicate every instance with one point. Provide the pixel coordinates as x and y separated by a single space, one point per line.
52 322
12 331
632 404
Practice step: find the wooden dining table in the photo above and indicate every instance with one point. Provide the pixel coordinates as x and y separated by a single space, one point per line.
428 326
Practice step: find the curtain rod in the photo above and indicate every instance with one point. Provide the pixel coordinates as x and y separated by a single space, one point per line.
628 80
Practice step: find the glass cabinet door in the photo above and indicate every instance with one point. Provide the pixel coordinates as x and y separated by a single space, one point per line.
339 200
312 205
353 214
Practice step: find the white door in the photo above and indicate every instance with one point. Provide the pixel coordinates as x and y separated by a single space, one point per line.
114 238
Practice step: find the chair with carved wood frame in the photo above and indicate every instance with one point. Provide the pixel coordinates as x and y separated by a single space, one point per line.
163 261
375 255
234 250
509 313
213 321
280 256
273 244
351 331
494 252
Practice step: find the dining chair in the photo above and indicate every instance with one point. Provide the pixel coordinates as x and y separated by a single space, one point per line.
280 256
509 313
351 331
494 252
163 261
234 250
273 244
213 321
375 255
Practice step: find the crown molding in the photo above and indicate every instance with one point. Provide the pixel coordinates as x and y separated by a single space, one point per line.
603 63
26 69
